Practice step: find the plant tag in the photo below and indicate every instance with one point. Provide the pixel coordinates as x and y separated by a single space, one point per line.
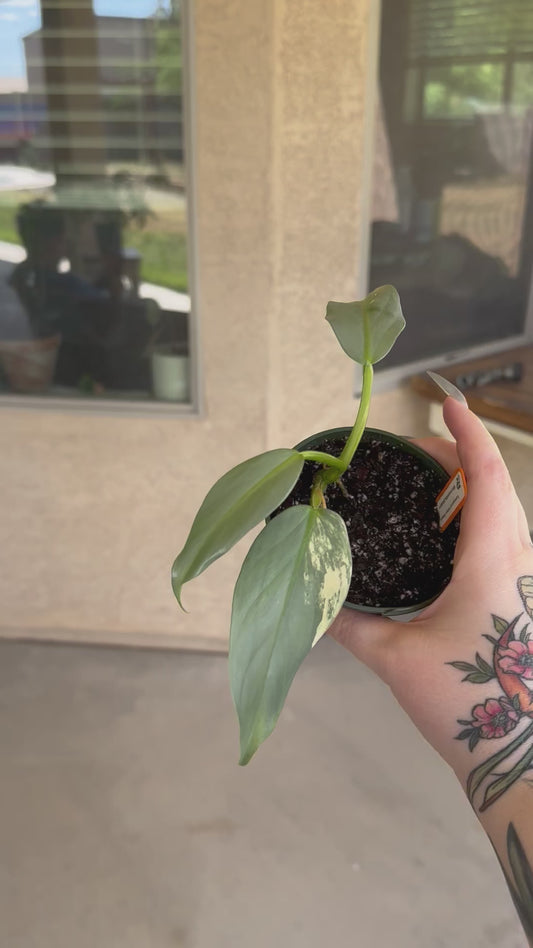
451 498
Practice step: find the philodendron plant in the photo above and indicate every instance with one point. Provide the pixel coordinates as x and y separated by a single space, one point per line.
297 573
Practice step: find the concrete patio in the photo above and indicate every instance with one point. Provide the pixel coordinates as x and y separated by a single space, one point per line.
126 823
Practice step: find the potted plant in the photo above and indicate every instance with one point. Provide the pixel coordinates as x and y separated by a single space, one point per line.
345 510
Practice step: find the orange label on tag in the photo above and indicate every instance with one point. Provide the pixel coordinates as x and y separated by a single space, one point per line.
451 498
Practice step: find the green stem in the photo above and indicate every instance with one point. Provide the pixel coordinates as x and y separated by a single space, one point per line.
335 467
322 458
360 422
317 497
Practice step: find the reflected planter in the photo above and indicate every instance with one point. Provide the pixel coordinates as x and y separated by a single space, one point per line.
29 364
170 374
401 560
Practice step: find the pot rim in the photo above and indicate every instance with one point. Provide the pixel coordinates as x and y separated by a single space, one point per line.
429 461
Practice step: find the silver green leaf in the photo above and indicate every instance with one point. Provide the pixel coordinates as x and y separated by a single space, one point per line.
367 329
236 503
292 585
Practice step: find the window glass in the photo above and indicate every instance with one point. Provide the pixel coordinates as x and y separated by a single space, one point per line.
522 90
94 290
462 91
452 204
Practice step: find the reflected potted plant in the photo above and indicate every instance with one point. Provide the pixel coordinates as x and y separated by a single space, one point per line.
170 372
170 364
29 364
350 519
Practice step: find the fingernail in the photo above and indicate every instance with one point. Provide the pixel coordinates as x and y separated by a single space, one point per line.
448 387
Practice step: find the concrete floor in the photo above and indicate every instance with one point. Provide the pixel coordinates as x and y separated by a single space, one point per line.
126 823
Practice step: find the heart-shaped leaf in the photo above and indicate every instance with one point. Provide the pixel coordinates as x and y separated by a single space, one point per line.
367 329
292 585
236 503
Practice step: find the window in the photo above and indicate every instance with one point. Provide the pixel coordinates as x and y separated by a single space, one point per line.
94 286
452 224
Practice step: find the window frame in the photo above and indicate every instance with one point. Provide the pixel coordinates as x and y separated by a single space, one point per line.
141 407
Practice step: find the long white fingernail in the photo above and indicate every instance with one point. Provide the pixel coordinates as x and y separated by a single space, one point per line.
448 387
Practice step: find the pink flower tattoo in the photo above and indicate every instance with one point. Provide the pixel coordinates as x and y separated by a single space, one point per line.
517 658
511 667
495 718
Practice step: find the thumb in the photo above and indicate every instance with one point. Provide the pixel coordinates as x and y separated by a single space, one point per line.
368 637
491 504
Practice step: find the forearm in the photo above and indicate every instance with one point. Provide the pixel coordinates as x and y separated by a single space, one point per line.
463 670
509 826
463 679
494 741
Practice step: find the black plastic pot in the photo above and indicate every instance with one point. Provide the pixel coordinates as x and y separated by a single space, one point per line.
428 462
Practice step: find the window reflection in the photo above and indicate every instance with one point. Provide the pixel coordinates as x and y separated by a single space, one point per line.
93 212
462 91
452 219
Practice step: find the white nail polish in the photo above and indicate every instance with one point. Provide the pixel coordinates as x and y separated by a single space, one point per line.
448 387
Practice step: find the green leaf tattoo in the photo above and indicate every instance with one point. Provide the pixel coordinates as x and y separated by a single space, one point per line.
500 625
479 673
519 880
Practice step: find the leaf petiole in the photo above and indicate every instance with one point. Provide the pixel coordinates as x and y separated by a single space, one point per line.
322 458
360 422
334 471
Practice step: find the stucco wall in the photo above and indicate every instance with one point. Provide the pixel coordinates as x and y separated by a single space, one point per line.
95 507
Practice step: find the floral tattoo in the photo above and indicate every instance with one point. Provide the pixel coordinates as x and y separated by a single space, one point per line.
511 666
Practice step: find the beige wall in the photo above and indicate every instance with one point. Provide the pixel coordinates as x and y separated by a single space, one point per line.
95 507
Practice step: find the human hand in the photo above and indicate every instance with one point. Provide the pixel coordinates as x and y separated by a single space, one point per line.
415 659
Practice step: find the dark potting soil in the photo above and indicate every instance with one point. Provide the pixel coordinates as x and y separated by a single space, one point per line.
387 501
